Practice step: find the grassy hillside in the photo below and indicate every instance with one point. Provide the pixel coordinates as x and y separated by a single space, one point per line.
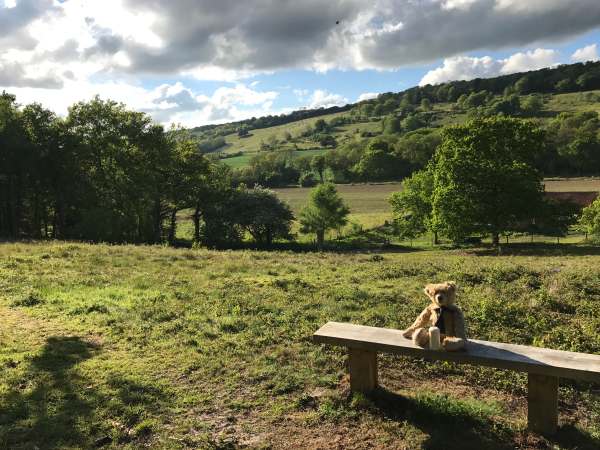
129 347
250 145
441 113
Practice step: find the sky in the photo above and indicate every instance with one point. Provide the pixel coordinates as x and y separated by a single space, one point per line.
197 62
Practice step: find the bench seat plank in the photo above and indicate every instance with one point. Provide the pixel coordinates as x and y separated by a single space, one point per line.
522 358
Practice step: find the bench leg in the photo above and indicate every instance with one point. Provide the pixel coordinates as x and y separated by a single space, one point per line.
542 404
362 365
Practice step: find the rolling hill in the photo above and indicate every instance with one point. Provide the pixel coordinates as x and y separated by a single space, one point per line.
564 89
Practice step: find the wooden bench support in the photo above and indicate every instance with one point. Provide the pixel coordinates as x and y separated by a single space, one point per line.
362 366
544 366
542 404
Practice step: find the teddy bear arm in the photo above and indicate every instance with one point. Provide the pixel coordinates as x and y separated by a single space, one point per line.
459 324
421 321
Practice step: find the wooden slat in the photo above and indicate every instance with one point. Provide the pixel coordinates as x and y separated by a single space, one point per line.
521 358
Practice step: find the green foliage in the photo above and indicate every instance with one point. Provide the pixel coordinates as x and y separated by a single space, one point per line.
326 210
391 124
307 179
378 162
574 143
590 219
484 177
411 207
262 214
418 147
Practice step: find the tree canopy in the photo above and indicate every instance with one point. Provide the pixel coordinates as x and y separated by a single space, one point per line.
325 211
484 177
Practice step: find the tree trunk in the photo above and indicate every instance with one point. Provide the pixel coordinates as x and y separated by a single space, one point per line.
157 221
436 240
495 239
172 226
196 219
269 236
320 239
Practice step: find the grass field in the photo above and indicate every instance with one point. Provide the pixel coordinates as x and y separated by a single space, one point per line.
150 347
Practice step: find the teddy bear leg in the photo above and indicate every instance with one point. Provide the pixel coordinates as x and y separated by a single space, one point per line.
453 344
434 338
420 337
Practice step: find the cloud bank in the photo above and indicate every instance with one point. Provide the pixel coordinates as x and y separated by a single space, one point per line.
78 47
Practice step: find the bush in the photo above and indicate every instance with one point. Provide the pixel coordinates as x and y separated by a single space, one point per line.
307 179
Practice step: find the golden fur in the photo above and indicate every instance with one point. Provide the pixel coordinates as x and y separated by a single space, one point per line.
441 295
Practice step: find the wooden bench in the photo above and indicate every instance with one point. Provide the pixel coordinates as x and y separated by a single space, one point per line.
544 366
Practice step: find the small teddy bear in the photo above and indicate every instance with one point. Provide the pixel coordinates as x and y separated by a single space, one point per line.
441 323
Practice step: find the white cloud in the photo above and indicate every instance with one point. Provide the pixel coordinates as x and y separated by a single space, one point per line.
367 96
167 103
324 99
458 4
532 60
468 67
587 53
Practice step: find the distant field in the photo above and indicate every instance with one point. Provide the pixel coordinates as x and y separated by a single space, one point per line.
572 184
372 198
361 198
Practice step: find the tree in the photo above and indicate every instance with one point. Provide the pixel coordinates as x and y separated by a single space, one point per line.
326 210
411 207
318 164
484 177
378 162
321 126
555 218
307 179
425 104
590 219
418 147
327 140
391 125
532 104
262 214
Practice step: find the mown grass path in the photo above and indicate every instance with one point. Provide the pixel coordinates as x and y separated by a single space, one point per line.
128 347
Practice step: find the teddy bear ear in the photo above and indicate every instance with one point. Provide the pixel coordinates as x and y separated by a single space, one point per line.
452 284
429 290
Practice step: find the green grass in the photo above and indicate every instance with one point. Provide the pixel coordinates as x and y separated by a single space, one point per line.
146 346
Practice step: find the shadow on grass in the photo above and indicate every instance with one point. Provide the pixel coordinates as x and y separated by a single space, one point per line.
335 246
457 424
49 414
538 249
448 427
52 405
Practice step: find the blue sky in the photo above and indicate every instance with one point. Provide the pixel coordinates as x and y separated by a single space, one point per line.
208 61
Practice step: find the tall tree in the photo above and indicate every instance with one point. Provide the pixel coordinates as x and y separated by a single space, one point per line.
484 177
325 211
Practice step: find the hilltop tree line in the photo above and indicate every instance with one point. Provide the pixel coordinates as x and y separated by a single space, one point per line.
411 127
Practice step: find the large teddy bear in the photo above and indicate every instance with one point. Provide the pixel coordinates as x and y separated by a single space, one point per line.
441 321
